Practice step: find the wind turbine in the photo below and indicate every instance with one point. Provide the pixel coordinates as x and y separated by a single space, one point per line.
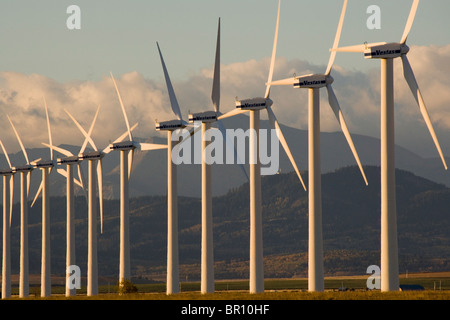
254 106
8 196
387 52
126 149
207 118
170 126
94 159
46 167
25 177
313 82
95 172
70 161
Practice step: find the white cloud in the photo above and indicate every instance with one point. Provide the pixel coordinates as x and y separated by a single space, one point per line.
146 100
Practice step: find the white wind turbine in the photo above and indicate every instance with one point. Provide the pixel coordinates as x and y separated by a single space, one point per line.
25 177
254 106
313 83
207 118
387 52
8 196
94 173
92 157
70 161
46 167
126 149
173 280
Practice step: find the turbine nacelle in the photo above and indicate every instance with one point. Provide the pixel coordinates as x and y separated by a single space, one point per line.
254 103
68 160
6 172
43 164
25 168
171 125
124 145
207 116
94 155
313 81
386 51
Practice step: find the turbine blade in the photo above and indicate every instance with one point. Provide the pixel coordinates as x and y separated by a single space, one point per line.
80 176
130 162
87 135
274 53
28 183
60 150
11 197
38 192
151 146
410 21
411 80
63 172
173 98
357 48
20 141
119 139
231 113
276 126
284 82
49 129
100 191
334 104
236 154
336 39
123 108
215 96
5 153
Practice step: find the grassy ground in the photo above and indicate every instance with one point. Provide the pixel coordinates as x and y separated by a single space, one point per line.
281 295
437 287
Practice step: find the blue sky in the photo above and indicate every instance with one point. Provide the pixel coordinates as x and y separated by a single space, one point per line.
120 36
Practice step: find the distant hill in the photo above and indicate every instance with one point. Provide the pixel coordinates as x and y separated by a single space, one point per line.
149 176
351 229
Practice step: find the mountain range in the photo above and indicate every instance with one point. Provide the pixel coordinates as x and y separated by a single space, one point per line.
351 229
149 175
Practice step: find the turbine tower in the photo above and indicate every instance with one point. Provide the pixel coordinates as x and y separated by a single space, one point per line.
25 177
313 83
8 196
94 159
254 106
387 52
126 149
207 118
70 161
94 173
173 277
46 167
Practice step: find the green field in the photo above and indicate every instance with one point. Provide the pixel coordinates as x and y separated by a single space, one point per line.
437 287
